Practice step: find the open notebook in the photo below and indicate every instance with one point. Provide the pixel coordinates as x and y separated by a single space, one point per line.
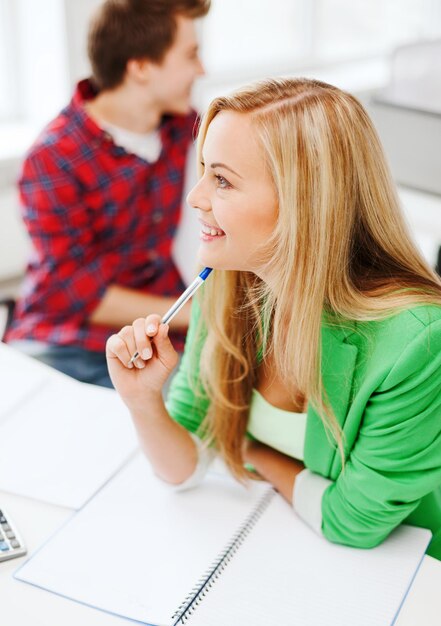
221 554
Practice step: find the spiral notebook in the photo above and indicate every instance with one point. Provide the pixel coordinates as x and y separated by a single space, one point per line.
220 554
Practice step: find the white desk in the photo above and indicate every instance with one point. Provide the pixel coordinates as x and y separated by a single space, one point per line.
22 605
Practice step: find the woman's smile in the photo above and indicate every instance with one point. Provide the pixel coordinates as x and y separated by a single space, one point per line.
210 232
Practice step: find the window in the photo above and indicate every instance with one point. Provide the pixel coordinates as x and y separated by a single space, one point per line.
33 65
244 34
372 27
42 44
8 93
245 38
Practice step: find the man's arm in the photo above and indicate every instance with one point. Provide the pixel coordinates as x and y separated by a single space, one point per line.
120 306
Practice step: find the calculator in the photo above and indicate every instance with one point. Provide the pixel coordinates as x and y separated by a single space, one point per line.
11 544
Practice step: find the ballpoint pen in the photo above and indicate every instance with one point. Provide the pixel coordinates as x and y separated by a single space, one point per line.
177 306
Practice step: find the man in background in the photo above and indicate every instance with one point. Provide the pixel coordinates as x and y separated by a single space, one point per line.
101 189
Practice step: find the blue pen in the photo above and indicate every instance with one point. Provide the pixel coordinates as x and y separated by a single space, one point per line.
181 301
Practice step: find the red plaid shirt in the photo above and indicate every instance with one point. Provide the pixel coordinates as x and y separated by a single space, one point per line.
96 215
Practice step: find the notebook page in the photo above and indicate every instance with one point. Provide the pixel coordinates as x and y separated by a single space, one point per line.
138 547
286 574
64 441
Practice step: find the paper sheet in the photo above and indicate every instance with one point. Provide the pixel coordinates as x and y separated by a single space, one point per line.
63 440
20 377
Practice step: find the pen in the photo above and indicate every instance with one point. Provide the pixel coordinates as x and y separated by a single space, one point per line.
177 306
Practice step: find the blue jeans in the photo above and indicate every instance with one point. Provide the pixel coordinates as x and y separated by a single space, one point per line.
84 365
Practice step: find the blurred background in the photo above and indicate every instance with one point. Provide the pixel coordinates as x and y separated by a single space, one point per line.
386 52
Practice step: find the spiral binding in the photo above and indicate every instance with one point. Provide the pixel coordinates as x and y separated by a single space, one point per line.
207 580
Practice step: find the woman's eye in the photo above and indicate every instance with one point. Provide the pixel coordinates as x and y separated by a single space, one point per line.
222 182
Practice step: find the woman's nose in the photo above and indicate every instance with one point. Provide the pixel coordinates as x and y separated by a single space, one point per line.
198 200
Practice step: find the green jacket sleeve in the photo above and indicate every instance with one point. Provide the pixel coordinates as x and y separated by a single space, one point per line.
183 404
396 460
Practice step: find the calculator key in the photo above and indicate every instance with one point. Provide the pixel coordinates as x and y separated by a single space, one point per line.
10 544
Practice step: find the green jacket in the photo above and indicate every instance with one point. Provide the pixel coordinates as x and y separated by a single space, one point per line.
383 380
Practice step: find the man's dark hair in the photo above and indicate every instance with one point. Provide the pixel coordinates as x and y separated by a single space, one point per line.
134 29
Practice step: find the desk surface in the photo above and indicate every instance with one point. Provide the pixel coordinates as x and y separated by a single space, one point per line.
21 604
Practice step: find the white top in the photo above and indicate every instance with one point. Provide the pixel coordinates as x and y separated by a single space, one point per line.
147 146
282 430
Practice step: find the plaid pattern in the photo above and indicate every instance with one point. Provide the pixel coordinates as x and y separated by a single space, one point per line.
96 215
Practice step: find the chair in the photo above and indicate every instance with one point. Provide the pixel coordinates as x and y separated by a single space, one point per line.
7 306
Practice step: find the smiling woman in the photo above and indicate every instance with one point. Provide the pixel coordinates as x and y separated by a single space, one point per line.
234 194
319 302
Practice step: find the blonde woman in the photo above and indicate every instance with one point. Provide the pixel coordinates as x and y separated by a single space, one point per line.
314 351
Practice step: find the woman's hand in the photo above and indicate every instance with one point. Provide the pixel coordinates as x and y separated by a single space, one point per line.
277 468
138 381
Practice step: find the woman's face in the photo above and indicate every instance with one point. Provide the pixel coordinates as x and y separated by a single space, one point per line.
235 196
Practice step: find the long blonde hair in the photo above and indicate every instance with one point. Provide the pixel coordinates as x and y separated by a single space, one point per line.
340 247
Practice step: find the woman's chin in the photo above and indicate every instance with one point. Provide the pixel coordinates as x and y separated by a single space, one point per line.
209 261
217 262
